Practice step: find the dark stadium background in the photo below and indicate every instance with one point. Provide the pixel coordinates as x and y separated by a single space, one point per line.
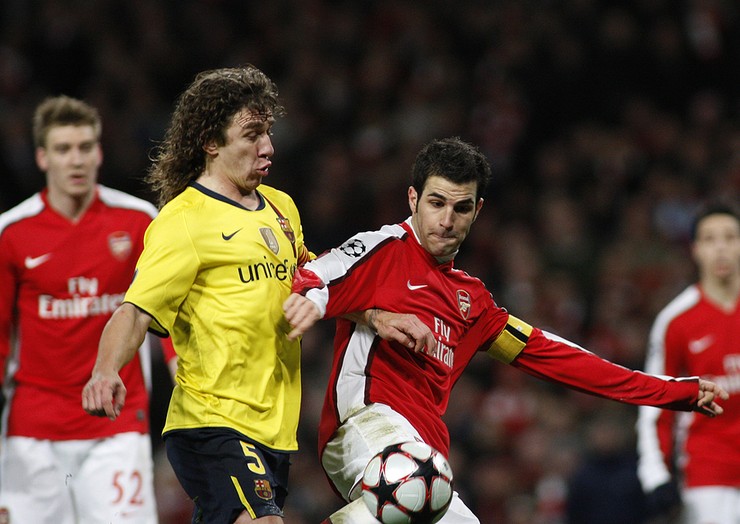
606 122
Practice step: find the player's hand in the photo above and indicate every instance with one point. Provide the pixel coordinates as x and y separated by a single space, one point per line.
406 329
104 395
708 392
301 313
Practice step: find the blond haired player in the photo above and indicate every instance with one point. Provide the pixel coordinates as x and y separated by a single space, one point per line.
67 256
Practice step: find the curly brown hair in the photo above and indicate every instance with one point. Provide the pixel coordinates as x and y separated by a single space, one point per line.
203 112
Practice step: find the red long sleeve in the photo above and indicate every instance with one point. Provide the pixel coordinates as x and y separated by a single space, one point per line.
551 358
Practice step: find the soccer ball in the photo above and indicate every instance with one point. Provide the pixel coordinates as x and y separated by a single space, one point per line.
407 483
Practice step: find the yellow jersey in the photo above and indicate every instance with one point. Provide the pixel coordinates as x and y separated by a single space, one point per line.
214 276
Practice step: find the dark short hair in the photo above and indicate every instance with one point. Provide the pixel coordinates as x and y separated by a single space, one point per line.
452 159
715 207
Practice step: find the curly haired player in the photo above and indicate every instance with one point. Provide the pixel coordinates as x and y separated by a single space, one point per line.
216 267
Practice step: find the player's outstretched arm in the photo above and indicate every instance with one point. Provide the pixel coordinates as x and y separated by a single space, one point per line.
708 392
555 359
105 394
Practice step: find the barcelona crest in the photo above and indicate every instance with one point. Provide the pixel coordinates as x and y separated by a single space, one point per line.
263 489
287 229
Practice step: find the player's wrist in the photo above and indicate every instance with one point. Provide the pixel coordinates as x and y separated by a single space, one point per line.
372 316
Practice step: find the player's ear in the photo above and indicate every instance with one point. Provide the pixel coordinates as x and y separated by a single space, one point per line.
41 160
99 149
695 255
211 147
413 199
478 207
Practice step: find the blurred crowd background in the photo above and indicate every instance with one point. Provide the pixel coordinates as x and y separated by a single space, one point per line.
606 123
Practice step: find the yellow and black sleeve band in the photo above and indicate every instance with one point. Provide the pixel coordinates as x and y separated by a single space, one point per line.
510 342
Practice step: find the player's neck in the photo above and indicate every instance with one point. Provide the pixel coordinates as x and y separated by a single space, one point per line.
248 198
69 206
725 293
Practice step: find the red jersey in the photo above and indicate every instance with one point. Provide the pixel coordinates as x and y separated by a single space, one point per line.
60 281
691 335
390 270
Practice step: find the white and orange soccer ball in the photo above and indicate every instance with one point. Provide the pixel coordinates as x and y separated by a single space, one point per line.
407 483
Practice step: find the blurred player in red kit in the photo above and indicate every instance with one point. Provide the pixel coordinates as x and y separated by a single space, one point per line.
382 393
685 458
67 256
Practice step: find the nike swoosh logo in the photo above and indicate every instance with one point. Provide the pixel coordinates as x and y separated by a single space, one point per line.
413 287
700 344
228 237
33 262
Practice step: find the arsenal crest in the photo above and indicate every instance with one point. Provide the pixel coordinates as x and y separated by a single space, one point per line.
463 302
263 489
120 245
